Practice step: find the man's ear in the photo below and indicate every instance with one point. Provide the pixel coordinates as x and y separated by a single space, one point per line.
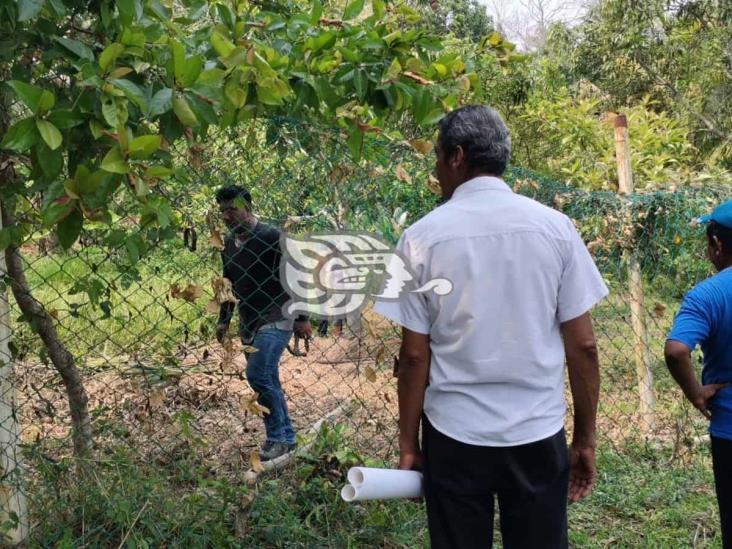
457 158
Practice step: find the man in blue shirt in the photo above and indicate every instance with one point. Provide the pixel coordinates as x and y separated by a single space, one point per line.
705 319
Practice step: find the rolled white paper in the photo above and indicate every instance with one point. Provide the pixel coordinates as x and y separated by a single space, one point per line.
369 483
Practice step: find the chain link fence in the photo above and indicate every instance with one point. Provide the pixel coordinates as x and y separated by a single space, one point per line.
136 303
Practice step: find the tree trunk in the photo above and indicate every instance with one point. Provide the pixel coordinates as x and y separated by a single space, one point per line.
43 325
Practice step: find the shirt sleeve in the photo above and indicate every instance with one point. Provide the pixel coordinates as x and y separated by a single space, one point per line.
410 310
693 323
581 286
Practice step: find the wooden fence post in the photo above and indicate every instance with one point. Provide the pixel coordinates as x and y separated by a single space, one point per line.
635 287
12 497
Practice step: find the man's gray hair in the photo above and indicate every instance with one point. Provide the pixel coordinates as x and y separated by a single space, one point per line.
480 131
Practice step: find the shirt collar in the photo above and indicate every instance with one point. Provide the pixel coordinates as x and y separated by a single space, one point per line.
482 183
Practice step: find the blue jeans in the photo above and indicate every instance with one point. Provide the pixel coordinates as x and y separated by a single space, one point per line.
264 377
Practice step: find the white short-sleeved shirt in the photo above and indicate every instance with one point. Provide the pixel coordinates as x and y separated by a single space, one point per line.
518 270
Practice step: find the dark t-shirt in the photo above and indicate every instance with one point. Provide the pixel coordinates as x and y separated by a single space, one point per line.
253 267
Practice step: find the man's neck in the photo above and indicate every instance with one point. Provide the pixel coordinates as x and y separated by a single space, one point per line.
469 177
474 175
243 232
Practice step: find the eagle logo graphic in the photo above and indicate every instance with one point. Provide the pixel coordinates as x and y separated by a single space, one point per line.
334 275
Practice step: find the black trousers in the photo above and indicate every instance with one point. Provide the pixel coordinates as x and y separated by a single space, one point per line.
461 482
722 463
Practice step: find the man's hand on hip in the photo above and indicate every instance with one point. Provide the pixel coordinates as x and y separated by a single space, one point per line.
704 397
582 471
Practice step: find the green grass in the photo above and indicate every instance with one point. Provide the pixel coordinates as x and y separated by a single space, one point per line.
142 317
643 499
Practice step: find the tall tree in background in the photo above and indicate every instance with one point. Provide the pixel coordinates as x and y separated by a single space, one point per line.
466 19
676 54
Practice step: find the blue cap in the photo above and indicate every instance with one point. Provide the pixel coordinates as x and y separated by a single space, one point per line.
722 214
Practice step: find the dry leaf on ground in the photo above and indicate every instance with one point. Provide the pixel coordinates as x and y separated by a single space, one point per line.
255 462
370 374
402 175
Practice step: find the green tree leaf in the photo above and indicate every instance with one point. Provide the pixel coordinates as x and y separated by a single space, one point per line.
186 70
316 12
178 54
360 83
433 117
235 91
21 136
393 72
142 189
161 102
183 111
28 9
323 40
74 46
135 38
144 146
58 7
71 188
350 55
129 10
69 228
226 16
110 55
191 71
158 171
65 119
46 102
355 143
56 210
160 11
353 9
28 94
221 44
51 161
133 92
96 128
379 8
50 134
272 91
113 162
110 111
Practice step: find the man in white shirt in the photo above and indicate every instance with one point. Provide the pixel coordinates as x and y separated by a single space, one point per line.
482 368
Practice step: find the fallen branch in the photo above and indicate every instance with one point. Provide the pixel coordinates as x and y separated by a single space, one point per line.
282 461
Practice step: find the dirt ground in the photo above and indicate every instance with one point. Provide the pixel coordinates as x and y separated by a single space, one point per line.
204 404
